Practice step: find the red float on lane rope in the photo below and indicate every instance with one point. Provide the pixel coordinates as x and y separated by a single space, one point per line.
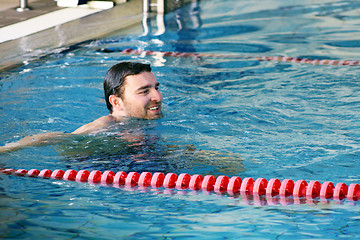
157 180
340 191
300 189
313 189
57 174
95 176
7 170
21 172
286 188
33 173
327 190
70 175
82 176
195 182
273 187
353 192
107 177
132 179
247 186
45 173
260 186
119 178
170 180
208 183
221 184
234 185
183 181
145 179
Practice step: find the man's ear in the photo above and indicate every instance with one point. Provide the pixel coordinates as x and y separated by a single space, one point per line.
116 102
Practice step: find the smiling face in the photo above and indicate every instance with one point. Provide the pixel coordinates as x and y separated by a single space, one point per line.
140 98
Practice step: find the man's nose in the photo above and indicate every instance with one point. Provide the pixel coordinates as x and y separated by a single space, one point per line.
156 96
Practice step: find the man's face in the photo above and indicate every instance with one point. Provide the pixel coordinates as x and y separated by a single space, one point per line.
141 97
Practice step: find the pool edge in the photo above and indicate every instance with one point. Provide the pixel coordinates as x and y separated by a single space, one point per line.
15 52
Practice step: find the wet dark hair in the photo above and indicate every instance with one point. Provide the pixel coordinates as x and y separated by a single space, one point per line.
115 78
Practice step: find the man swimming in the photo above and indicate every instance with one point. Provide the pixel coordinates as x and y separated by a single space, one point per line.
131 91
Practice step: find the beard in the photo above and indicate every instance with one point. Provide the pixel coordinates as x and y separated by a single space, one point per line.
143 112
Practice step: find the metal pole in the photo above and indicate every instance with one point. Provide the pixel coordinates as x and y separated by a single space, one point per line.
160 6
160 24
146 22
146 6
23 6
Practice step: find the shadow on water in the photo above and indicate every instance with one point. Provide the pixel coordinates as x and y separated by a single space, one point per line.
140 145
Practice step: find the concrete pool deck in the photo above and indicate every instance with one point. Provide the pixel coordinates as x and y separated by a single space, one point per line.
46 27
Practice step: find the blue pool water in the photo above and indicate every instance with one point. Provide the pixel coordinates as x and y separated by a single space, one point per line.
227 116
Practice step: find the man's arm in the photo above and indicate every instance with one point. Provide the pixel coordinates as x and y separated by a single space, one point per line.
54 137
34 140
98 124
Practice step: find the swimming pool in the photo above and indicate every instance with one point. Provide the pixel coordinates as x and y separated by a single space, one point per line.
223 115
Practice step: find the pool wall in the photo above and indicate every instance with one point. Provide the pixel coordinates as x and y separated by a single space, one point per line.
100 24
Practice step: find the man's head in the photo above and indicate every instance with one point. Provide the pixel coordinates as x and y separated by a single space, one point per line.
131 90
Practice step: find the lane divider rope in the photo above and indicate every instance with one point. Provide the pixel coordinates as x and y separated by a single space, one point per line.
262 58
222 184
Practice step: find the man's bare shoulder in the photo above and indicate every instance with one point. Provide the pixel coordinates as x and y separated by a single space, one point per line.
96 125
